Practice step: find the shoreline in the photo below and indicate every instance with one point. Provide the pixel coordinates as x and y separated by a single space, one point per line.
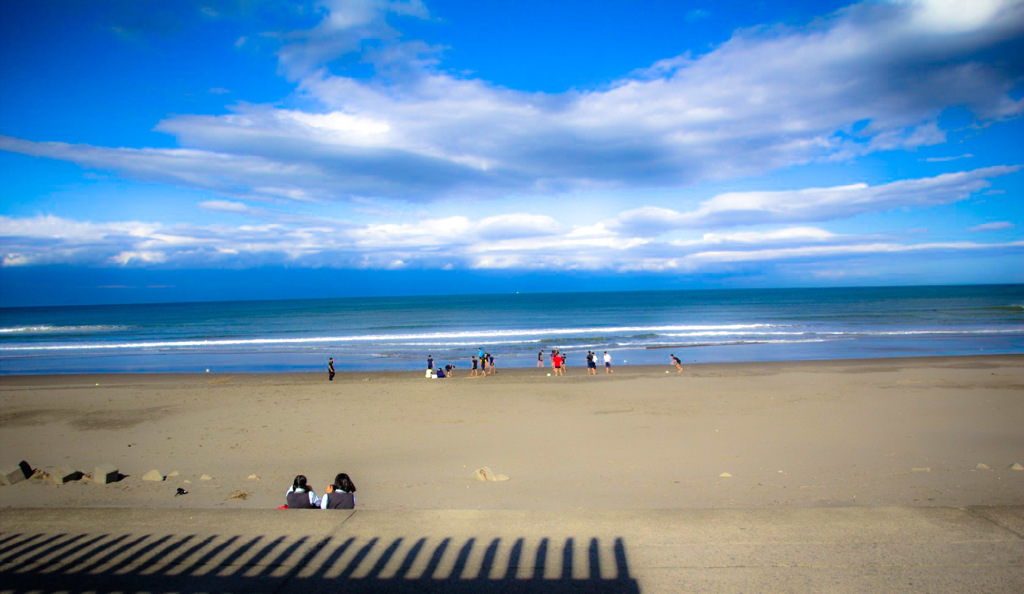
853 432
463 372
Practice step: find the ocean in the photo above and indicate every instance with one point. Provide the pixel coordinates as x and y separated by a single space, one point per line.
398 333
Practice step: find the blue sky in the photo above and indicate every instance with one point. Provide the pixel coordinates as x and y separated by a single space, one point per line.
243 149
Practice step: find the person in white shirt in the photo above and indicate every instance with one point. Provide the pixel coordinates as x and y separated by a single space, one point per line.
340 494
608 363
300 496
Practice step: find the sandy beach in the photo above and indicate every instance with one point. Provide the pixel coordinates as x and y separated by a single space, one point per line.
885 432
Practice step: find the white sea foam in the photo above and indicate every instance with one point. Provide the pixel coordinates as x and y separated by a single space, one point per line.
924 332
47 329
488 336
494 337
734 333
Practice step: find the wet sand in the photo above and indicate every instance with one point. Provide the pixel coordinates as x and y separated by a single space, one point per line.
885 432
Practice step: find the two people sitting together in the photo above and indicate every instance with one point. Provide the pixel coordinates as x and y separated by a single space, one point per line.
339 495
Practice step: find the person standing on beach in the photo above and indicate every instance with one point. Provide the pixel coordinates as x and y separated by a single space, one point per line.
490 363
330 369
608 363
591 363
430 362
677 363
475 361
540 359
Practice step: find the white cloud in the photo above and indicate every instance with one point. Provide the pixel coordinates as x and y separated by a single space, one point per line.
810 204
786 235
521 242
226 206
839 251
346 27
993 226
872 77
946 159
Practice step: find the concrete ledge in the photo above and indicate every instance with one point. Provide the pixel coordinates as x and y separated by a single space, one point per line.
768 549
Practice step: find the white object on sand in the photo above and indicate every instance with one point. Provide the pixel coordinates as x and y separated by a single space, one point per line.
485 474
153 475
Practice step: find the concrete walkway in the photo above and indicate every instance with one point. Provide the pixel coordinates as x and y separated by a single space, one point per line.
862 549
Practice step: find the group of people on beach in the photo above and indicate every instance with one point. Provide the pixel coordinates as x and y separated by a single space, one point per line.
445 371
485 361
558 362
338 495
483 364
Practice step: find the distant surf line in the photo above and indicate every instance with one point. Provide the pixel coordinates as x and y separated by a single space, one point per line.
483 335
526 336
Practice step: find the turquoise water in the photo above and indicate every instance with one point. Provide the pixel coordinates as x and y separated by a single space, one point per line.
399 333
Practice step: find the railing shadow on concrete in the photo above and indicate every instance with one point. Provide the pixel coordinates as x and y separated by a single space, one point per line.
193 563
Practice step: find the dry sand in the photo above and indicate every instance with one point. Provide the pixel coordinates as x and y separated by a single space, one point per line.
887 432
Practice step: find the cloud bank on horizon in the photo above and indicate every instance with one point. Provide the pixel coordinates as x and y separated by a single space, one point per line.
882 128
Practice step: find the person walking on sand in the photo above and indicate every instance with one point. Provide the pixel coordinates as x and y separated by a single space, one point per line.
677 363
340 494
475 363
540 359
608 363
330 369
591 363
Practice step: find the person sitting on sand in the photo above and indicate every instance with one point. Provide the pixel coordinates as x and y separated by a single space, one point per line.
300 496
340 494
677 363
